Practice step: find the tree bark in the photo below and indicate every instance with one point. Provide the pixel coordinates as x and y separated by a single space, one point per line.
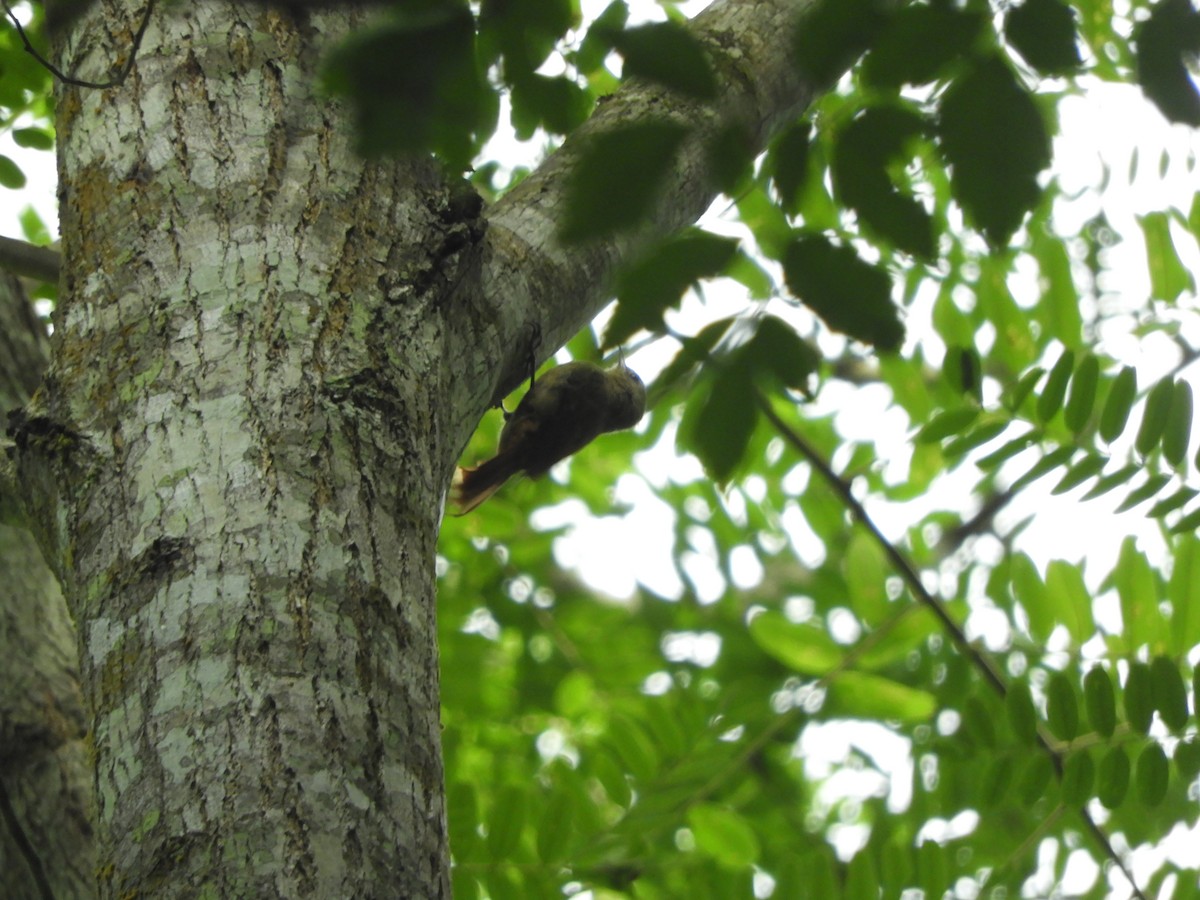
267 356
45 775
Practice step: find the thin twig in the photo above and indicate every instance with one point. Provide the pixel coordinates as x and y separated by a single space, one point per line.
79 82
909 574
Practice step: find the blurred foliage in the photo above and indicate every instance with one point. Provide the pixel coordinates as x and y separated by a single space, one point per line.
900 237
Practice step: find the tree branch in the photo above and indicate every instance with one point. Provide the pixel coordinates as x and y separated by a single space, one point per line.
911 578
29 260
529 276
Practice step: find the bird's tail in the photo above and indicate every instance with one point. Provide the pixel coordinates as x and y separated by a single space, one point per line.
474 484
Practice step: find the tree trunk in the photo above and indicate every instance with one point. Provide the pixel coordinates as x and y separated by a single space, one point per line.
267 356
45 775
237 467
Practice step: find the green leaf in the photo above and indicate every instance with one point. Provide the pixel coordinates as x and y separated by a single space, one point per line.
1182 591
919 43
1058 308
1137 588
1111 481
33 227
1171 502
1079 775
1165 42
946 423
1023 388
724 835
1112 783
976 437
865 154
1055 459
617 179
718 432
1031 592
1083 394
1178 433
859 695
634 747
730 154
802 647
963 371
1155 415
778 351
506 822
1070 600
996 143
33 138
1007 452
414 84
694 353
666 52
1062 711
1169 277
862 877
1170 695
11 175
833 35
555 827
659 279
1021 713
1100 700
1153 775
1051 399
1187 759
1035 778
787 162
977 721
1080 472
599 40
1144 492
1119 403
1139 697
555 104
1043 32
850 296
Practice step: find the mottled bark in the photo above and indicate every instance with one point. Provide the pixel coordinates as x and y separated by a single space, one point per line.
238 468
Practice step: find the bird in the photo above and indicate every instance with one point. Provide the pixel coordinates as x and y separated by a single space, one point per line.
564 410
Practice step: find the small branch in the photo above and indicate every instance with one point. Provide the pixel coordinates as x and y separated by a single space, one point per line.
899 562
118 80
28 260
909 574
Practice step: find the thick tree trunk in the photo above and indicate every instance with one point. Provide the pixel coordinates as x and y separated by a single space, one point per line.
267 356
236 464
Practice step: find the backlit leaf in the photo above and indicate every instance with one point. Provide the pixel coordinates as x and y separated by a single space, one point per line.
1043 31
616 181
1152 776
850 296
996 143
1120 401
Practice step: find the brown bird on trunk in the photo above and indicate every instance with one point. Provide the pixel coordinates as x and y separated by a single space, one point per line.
561 413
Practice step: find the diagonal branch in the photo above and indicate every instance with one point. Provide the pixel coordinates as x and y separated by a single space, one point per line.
530 277
912 579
